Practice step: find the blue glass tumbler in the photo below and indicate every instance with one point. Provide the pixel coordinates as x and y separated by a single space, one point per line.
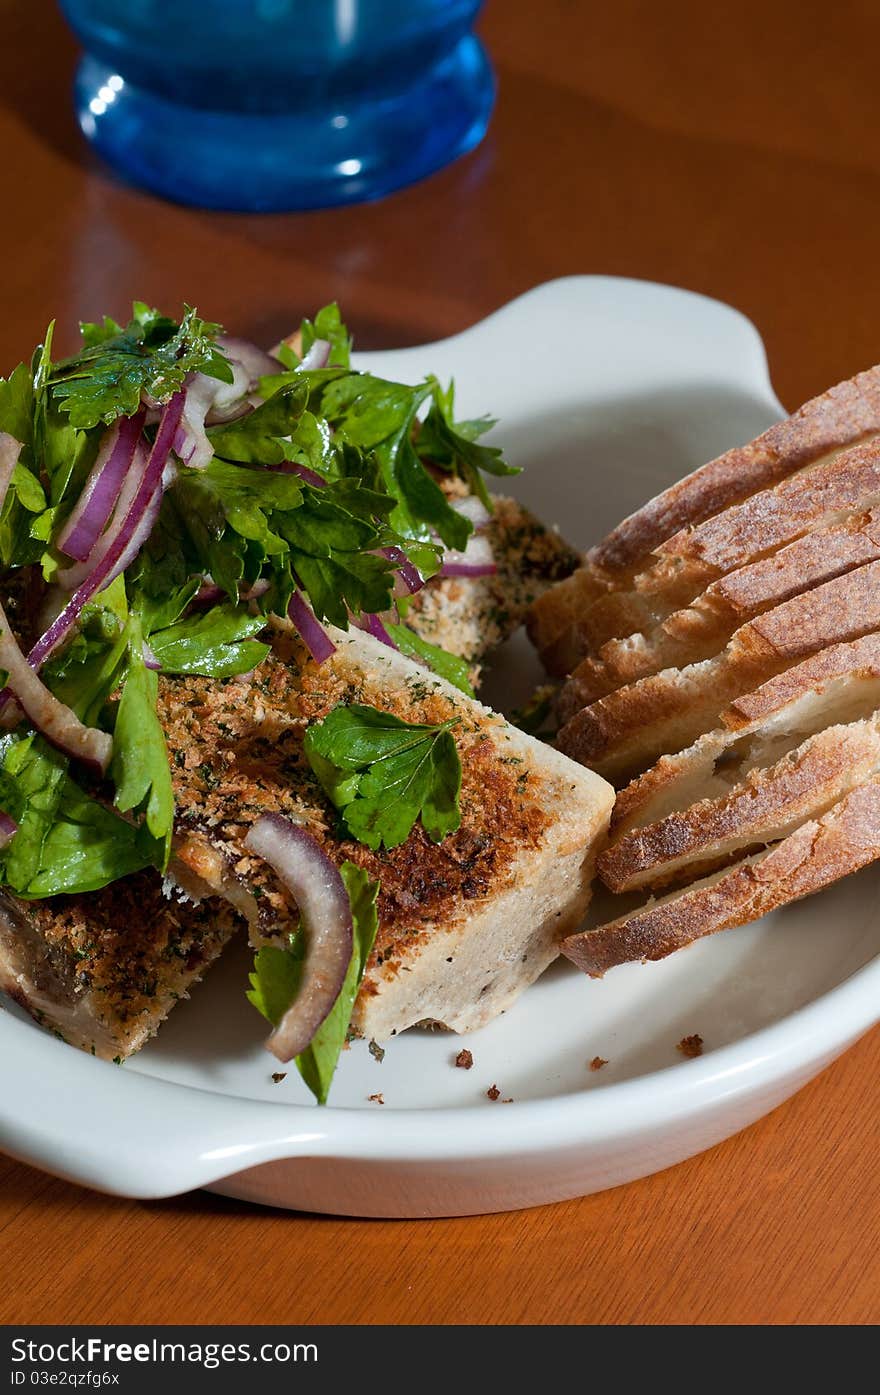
280 104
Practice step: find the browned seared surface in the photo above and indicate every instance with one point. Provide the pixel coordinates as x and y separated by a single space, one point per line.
104 968
237 751
470 616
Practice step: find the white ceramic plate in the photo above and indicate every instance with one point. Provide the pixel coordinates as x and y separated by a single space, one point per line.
607 390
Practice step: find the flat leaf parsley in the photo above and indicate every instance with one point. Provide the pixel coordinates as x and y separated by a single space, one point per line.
383 774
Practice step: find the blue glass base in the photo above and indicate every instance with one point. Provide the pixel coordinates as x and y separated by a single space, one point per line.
311 158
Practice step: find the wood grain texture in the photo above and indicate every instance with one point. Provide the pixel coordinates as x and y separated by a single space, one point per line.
734 152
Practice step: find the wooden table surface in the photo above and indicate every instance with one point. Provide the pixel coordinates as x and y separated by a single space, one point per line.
734 150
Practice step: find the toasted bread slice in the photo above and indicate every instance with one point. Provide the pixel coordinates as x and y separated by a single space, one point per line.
764 807
629 729
819 852
818 495
465 924
104 969
700 630
837 419
839 685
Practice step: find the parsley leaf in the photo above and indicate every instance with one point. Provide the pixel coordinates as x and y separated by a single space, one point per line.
66 842
277 973
140 765
383 774
91 666
151 355
256 439
381 417
215 644
328 325
37 773
449 666
25 497
276 978
454 446
87 847
246 499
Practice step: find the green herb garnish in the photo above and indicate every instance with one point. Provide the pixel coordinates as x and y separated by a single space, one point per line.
66 841
383 774
140 756
116 365
276 978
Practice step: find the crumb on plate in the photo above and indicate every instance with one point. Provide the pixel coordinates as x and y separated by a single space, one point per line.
598 1062
465 1059
692 1045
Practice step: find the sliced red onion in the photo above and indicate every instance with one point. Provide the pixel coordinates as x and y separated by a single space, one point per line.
72 577
373 626
8 829
209 593
310 476
316 357
106 478
476 560
10 450
319 891
150 660
410 577
312 632
467 569
210 401
474 509
253 361
54 719
191 442
123 541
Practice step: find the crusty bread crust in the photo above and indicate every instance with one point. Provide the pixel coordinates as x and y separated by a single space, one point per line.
702 628
837 419
627 730
762 808
839 684
819 852
845 414
818 494
556 612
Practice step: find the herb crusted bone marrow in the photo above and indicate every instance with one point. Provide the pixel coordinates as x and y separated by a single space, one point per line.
466 921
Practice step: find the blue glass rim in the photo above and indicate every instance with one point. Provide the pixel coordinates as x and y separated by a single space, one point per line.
287 161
